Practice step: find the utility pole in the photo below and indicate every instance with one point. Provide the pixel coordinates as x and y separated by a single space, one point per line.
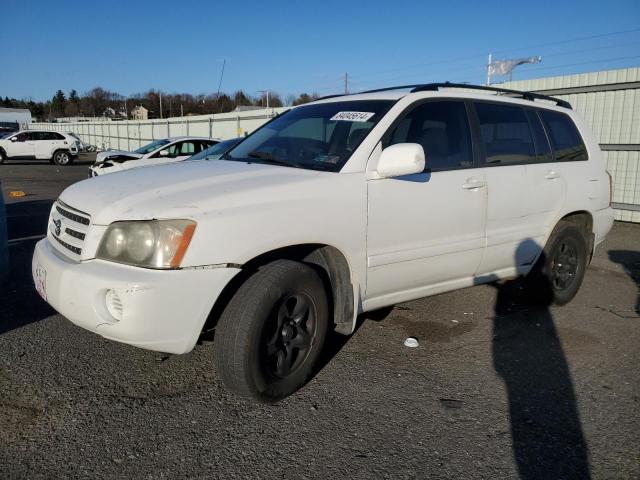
265 92
160 93
489 70
346 83
181 111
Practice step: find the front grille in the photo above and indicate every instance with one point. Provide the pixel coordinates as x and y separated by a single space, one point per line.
68 246
68 228
72 216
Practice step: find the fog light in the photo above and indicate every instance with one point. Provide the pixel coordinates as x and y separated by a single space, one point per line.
114 305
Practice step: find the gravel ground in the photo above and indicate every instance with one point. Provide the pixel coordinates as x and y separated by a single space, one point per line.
497 388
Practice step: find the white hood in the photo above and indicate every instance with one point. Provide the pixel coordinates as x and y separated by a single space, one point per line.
188 190
102 156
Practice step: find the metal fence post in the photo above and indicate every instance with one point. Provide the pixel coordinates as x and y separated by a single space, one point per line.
139 136
128 138
211 126
187 126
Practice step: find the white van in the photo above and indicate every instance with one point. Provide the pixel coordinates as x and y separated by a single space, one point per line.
344 205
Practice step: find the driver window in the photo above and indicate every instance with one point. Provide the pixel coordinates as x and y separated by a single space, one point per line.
442 128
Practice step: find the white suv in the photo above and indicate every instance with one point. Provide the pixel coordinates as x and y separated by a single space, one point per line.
158 152
59 148
344 205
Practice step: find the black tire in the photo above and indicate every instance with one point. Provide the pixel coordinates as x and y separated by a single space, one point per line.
272 332
558 273
62 158
3 156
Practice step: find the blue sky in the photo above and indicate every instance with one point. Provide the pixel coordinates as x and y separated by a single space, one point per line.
292 47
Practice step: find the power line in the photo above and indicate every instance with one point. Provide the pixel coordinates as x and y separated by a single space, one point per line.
357 79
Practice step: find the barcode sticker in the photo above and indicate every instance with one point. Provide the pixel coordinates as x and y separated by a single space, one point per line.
353 116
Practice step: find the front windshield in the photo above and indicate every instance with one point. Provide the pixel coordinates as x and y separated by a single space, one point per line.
318 136
214 152
151 146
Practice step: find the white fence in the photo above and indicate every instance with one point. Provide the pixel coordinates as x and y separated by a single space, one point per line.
130 134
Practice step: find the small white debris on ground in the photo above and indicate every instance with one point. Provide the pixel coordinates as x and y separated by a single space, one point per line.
411 342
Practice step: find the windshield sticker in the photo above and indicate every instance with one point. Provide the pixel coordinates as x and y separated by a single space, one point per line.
353 116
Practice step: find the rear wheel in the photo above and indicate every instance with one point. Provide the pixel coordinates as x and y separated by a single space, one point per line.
3 156
559 272
271 333
62 158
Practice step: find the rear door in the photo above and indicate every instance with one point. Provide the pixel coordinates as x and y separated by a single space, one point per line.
518 201
46 143
546 180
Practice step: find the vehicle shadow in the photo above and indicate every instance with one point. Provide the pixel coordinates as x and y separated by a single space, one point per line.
27 218
547 437
20 304
630 261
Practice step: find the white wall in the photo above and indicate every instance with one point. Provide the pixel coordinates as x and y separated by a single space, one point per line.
131 134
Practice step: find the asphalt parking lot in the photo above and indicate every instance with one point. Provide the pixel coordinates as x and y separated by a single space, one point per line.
498 388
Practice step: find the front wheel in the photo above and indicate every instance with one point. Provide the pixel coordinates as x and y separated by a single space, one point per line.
62 158
3 156
559 272
272 331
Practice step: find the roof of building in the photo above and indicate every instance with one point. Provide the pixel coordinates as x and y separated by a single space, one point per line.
21 110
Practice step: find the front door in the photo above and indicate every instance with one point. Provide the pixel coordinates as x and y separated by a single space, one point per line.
426 231
23 147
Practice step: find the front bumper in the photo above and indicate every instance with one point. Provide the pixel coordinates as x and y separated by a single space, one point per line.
162 310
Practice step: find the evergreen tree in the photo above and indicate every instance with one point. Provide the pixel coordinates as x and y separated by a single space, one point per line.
58 103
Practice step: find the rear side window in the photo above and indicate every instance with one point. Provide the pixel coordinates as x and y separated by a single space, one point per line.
505 134
543 149
565 139
442 128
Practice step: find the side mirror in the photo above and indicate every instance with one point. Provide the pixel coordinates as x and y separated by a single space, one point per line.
164 153
14 139
401 159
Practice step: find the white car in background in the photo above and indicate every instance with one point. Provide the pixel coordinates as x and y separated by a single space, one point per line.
57 147
166 150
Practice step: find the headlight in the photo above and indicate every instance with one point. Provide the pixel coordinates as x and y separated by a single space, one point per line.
150 244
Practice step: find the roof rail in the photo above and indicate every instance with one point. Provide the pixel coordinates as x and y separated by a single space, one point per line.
513 93
426 87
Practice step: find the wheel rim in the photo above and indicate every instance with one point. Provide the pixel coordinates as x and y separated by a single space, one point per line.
62 158
564 265
289 335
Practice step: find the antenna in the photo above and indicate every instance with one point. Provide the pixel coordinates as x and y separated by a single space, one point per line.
224 62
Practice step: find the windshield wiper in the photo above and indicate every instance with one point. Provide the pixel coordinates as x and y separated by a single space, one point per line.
269 158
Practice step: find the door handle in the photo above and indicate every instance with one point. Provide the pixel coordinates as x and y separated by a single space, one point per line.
473 184
551 175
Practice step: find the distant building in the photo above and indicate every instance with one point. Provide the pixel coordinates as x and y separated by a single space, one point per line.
139 113
246 108
12 119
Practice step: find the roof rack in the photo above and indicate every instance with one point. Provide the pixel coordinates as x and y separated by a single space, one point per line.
434 87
